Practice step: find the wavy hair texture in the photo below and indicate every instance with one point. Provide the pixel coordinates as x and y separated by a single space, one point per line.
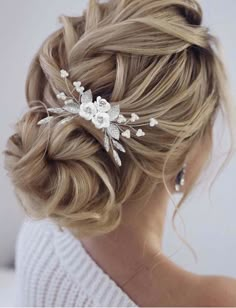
155 59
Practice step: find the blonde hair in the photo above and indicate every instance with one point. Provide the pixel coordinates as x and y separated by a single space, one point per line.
155 59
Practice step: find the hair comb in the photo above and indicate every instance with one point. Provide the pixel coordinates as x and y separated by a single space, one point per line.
101 113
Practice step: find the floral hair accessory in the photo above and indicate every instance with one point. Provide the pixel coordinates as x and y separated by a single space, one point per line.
101 113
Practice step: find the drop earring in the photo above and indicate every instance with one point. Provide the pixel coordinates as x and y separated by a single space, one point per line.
180 179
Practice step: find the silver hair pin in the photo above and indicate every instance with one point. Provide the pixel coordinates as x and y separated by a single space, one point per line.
101 113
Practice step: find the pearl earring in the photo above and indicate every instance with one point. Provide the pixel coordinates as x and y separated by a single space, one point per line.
180 179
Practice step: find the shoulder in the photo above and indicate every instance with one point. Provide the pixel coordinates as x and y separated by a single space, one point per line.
195 290
34 245
41 278
217 291
52 269
31 234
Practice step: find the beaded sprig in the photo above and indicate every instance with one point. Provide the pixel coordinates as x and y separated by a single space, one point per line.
101 113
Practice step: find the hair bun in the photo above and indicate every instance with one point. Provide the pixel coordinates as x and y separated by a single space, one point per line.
58 169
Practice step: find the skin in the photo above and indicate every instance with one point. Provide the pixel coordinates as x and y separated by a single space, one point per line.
132 255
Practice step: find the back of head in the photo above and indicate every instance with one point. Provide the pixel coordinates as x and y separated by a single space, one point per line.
154 59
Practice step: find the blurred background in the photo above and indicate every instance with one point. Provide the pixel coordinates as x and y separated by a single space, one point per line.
209 219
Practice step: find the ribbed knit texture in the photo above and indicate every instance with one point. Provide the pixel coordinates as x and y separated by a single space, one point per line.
53 269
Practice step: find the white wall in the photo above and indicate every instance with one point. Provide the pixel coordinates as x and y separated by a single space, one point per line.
210 227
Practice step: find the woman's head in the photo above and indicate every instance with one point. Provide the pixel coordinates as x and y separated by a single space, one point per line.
155 59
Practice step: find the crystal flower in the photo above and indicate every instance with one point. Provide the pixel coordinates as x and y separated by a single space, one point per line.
140 133
101 120
153 122
126 133
87 110
78 87
102 104
121 119
64 73
134 117
62 96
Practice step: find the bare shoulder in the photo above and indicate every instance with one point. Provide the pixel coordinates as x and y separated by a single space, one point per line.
183 288
216 291
177 287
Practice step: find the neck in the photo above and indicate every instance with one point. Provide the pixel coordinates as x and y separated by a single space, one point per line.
138 239
143 221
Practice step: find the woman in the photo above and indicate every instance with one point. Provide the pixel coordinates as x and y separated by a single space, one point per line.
122 104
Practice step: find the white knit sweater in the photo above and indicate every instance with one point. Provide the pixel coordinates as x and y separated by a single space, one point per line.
54 269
